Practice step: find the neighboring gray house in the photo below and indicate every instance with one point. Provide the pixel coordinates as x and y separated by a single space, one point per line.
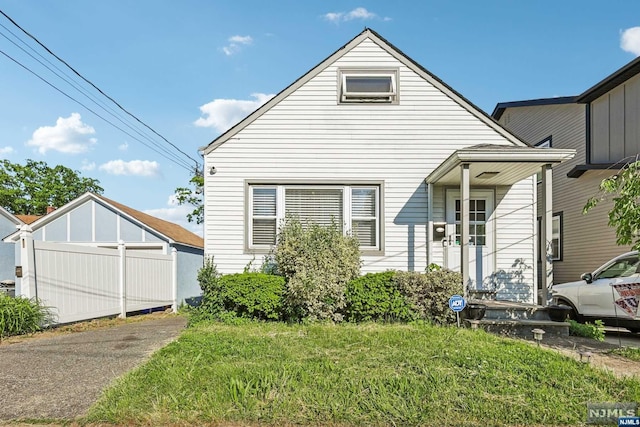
603 126
417 172
8 225
93 220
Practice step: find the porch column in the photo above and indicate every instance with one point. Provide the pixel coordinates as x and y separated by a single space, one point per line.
547 232
464 226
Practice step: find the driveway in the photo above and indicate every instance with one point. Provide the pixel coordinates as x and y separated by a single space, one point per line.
622 337
61 376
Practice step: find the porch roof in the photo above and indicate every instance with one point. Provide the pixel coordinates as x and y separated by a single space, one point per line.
492 164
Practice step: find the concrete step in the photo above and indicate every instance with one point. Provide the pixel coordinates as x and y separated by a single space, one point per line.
512 310
519 327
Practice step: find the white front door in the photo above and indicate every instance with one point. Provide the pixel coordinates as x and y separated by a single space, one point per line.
481 233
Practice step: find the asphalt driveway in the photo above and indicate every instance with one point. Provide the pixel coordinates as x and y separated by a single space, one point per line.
61 376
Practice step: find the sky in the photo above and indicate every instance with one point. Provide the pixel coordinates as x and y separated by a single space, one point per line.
190 69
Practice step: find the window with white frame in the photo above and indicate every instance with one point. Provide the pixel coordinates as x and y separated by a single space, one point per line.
555 245
354 208
362 86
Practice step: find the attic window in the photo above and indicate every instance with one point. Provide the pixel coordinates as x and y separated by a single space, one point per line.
362 86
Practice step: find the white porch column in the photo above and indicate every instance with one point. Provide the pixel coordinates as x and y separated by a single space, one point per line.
547 231
464 226
28 263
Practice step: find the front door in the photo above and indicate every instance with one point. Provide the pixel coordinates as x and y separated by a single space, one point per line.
481 233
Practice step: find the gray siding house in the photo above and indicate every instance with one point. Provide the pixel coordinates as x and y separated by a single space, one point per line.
603 126
8 225
403 161
95 221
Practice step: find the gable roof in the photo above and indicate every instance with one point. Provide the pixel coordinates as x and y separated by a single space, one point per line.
500 107
617 78
170 231
29 219
393 51
166 228
11 217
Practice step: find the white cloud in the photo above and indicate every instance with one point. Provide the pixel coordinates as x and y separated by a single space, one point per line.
87 165
123 147
69 135
5 151
178 215
236 43
222 114
630 40
359 13
133 167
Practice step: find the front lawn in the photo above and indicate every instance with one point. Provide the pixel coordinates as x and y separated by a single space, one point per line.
371 374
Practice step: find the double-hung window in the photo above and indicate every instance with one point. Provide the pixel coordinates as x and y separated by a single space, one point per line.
353 208
362 86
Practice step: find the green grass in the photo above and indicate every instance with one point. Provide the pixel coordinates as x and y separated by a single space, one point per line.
628 352
372 374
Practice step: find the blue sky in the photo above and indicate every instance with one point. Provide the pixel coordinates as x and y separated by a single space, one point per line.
192 68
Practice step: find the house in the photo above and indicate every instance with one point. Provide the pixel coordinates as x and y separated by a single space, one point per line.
8 224
95 221
602 125
372 139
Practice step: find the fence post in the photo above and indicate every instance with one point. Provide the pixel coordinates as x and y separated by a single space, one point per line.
28 263
122 252
174 279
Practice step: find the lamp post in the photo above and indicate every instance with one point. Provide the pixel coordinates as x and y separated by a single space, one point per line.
537 335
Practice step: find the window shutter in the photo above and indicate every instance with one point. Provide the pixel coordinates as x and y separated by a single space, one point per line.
314 205
264 216
363 214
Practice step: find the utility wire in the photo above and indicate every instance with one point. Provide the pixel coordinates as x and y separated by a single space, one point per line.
96 87
99 103
89 109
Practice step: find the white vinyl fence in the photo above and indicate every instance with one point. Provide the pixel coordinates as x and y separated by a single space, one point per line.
82 282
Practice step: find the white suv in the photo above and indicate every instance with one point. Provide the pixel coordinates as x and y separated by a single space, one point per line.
594 297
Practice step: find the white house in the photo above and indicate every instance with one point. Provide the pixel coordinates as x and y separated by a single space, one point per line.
416 171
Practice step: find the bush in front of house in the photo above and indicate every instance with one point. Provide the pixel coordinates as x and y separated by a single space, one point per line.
428 293
209 281
253 295
21 315
317 263
588 330
376 296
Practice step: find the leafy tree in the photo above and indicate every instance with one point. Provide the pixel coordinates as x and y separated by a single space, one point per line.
28 189
623 189
193 197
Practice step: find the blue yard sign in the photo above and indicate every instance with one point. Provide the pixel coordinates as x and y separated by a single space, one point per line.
457 303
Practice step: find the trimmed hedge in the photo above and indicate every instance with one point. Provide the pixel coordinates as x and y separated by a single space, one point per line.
376 296
253 295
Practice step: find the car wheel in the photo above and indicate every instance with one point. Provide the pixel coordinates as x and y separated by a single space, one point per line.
573 315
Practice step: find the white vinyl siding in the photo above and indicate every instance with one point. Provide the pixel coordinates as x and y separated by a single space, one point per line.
308 138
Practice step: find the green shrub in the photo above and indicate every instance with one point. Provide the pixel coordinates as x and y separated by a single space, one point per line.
428 293
588 330
253 295
209 281
375 296
317 263
22 316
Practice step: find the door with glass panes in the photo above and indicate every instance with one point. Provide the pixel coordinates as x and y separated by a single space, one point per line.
481 238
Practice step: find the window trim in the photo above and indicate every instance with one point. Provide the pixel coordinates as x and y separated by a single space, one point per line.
559 216
359 98
280 186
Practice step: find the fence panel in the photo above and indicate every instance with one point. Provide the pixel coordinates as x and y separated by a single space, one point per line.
77 282
149 280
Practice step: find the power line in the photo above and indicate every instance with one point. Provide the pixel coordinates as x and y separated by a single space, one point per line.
95 87
183 165
97 102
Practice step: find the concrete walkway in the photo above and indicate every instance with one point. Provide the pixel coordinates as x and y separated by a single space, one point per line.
61 376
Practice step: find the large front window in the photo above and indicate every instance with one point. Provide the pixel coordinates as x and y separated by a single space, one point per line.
353 208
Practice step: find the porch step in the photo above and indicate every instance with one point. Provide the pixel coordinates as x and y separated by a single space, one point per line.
507 310
519 327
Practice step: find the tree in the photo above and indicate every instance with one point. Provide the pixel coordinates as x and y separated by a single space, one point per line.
29 189
623 189
193 197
